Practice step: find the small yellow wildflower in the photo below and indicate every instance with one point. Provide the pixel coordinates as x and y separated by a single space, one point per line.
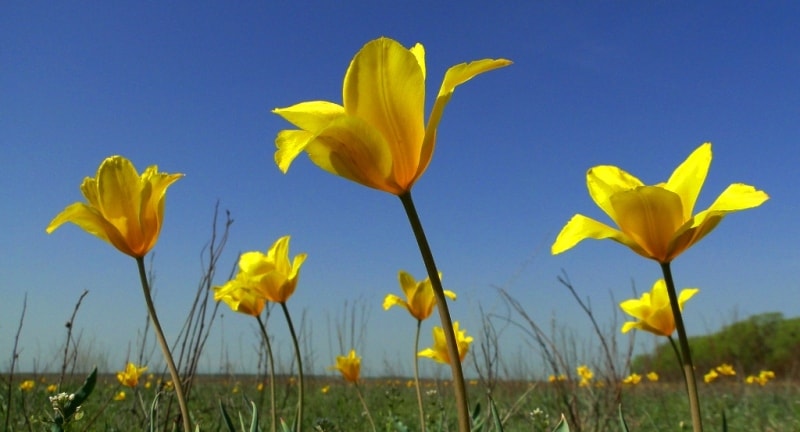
52 388
120 396
27 385
325 389
710 376
652 377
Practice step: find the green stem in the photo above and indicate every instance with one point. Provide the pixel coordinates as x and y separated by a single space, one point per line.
677 352
686 352
271 373
444 313
364 404
298 425
416 379
173 371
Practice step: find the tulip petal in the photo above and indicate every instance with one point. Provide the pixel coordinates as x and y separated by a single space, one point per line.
290 144
308 116
385 87
393 300
91 221
351 148
311 116
606 180
649 216
419 53
581 227
735 198
688 178
118 192
454 77
685 295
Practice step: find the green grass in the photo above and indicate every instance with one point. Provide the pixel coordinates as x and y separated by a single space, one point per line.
525 406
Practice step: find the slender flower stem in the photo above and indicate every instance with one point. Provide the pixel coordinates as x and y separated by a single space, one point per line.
686 352
173 371
416 379
298 425
678 357
444 313
274 423
364 404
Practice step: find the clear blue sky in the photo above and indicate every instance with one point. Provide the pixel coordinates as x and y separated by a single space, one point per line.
189 86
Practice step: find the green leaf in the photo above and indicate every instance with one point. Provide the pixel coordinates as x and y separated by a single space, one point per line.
226 418
622 424
478 421
724 422
562 425
79 397
154 412
254 421
495 415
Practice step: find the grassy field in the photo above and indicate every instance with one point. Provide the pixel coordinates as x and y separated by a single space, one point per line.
332 404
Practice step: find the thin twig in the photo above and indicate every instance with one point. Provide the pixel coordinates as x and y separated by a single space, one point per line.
69 325
14 356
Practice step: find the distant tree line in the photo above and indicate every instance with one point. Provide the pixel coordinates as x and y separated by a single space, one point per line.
760 342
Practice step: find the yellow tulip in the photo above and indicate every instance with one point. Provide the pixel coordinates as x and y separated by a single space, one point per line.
652 376
585 373
653 311
419 295
240 297
377 137
123 208
656 221
439 350
27 385
269 276
130 376
349 366
710 376
632 379
725 369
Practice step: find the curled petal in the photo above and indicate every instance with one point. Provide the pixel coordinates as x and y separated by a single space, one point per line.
581 227
454 77
393 300
311 116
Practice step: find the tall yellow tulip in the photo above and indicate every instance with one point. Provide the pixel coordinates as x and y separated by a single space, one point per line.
130 376
269 276
240 297
349 366
657 222
123 208
420 298
378 136
653 310
439 351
